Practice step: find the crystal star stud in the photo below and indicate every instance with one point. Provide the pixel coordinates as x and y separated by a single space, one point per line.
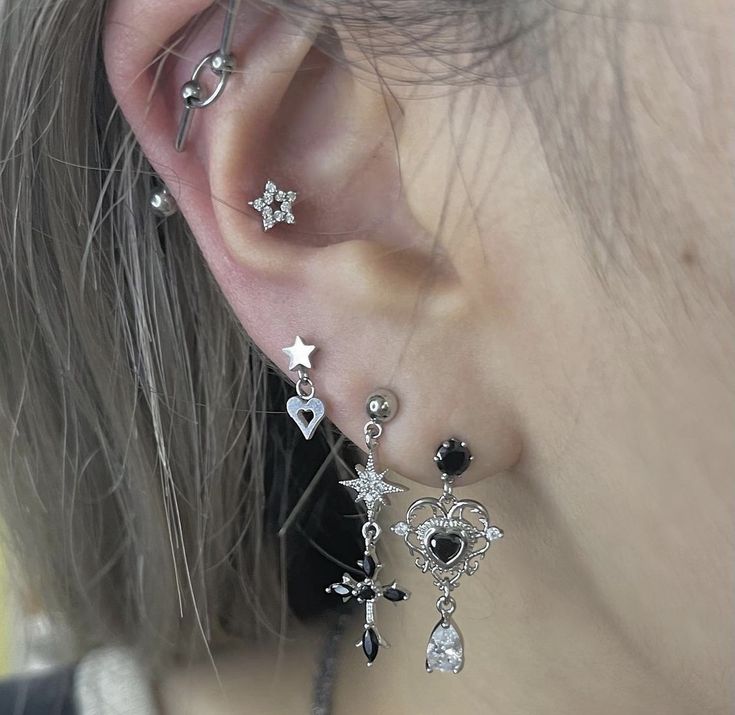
298 354
371 486
264 204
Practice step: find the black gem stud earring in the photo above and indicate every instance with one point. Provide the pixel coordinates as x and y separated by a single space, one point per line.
449 537
282 213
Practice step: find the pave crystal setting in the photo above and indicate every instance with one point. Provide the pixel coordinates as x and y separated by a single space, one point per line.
283 213
445 649
371 486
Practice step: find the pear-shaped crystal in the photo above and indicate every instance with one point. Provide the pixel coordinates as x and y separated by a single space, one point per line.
445 651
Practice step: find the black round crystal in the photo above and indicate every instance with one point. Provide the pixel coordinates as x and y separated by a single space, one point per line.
453 457
366 593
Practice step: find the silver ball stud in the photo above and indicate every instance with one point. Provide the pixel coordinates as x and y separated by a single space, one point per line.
382 405
222 63
162 202
191 92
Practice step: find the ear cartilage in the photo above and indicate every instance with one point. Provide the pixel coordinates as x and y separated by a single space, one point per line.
448 538
304 408
275 205
220 63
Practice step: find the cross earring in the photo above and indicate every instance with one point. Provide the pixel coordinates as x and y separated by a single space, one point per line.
372 490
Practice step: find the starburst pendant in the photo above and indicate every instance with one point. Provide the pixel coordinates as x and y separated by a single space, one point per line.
371 486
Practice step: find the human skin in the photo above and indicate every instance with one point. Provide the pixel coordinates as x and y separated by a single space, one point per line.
591 372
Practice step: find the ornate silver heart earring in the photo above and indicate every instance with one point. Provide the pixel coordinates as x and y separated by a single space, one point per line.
371 489
264 205
449 537
306 410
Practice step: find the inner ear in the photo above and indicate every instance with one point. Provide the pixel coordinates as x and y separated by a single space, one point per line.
333 138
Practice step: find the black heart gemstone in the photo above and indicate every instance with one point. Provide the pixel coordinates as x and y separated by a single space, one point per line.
446 546
453 457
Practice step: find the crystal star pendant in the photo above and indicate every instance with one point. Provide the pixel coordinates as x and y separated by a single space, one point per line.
371 486
283 213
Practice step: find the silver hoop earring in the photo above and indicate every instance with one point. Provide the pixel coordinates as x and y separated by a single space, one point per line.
449 537
372 490
221 63
283 213
304 408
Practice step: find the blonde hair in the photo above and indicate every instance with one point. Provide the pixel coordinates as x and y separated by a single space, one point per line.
147 464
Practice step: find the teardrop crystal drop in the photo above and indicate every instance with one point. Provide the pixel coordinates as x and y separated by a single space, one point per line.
445 650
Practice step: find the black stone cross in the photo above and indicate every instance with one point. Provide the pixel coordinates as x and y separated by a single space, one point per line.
368 591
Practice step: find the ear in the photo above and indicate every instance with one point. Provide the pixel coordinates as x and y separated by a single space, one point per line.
357 275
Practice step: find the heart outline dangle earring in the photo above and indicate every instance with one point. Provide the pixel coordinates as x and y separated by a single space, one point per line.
448 538
305 400
372 489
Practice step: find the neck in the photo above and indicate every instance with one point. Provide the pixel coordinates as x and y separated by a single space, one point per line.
537 637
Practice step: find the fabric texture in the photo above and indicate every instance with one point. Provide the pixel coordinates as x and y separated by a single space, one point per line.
109 681
47 693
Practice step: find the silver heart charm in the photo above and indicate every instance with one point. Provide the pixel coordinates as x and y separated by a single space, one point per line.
298 406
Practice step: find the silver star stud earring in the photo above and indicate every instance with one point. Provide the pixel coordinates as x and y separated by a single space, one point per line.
264 204
298 354
371 486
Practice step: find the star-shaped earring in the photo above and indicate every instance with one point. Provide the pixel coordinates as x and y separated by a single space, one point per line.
298 354
371 486
264 204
